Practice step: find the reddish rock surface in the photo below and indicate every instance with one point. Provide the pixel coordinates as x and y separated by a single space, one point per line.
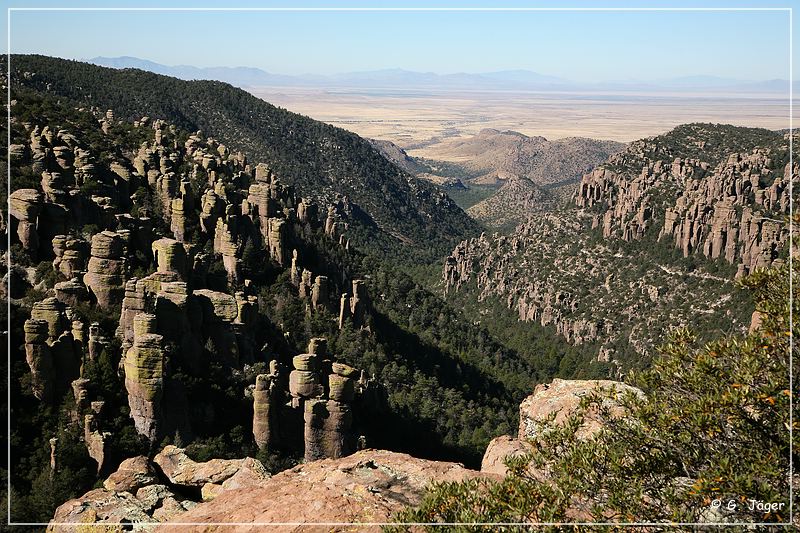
561 397
501 447
366 487
132 474
181 470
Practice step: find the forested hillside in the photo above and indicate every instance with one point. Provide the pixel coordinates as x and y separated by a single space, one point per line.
389 210
160 278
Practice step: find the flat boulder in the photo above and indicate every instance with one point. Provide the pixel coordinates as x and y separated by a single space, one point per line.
217 306
250 474
182 470
25 204
98 506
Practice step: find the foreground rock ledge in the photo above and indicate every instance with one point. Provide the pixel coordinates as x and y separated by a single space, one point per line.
366 487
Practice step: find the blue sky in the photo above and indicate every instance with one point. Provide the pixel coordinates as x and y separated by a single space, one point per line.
582 46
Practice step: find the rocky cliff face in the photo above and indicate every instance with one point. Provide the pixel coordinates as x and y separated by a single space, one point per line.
551 272
612 274
394 208
732 210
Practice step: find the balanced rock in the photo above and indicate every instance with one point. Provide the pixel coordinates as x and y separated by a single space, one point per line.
71 292
39 359
170 256
25 205
217 306
304 380
304 384
71 255
341 388
53 312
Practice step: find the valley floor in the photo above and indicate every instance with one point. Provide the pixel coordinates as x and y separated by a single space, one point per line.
395 115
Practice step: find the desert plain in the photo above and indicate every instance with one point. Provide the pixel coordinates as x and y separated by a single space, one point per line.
419 120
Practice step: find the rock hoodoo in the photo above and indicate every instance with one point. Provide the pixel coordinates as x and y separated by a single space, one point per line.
25 205
144 376
717 207
51 351
106 269
71 255
316 412
40 360
174 237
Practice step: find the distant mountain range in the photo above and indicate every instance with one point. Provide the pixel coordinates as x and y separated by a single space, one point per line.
506 80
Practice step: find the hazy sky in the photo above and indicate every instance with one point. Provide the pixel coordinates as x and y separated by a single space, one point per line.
583 46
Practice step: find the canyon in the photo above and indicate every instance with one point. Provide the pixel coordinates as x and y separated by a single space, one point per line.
224 311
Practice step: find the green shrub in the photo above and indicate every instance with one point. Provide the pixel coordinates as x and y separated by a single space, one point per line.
712 427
